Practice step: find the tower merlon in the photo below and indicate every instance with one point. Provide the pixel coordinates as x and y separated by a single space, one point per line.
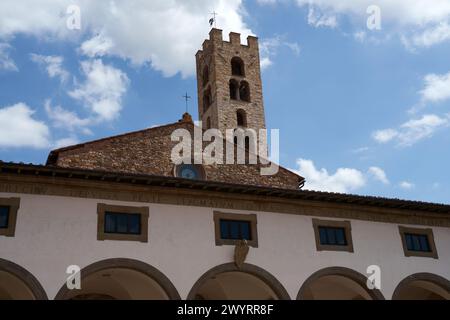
235 38
215 35
252 41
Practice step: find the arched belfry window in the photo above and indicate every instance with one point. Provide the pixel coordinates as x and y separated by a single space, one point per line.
237 67
234 87
205 75
241 117
244 91
207 99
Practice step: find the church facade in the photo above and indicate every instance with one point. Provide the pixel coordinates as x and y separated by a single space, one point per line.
116 218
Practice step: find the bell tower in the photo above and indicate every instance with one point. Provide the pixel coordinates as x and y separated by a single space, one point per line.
229 83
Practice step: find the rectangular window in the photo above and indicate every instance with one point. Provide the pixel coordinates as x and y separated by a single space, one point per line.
9 207
235 230
333 235
122 223
230 228
4 217
418 242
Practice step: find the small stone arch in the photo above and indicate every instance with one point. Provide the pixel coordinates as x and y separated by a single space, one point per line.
241 118
32 289
345 273
247 269
413 287
237 67
123 264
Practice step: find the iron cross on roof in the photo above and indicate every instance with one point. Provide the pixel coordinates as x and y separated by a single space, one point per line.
187 97
213 20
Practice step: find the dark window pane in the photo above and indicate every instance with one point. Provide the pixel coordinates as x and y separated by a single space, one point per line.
245 230
331 236
424 243
323 235
224 230
134 224
417 242
409 242
110 223
340 237
234 234
122 223
235 230
4 217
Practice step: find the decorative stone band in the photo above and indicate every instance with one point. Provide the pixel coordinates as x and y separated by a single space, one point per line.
47 180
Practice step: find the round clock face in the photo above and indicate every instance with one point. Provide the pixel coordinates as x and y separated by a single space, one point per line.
188 171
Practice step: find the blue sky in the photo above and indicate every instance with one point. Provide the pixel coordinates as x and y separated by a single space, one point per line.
359 110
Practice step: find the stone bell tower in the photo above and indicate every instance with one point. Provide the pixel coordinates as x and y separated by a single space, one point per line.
229 83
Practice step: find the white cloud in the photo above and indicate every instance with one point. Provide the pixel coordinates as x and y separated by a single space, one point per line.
321 19
103 89
65 119
385 135
6 63
432 36
162 33
97 46
269 48
343 180
53 65
418 23
437 88
378 174
412 131
18 128
406 185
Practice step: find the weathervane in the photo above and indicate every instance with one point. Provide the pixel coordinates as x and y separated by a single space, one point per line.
213 20
187 97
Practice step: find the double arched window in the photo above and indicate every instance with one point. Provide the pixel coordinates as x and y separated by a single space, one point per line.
239 90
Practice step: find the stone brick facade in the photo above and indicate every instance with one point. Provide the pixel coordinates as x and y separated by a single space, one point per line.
214 73
149 152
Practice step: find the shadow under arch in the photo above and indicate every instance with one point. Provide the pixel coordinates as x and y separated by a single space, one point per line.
125 264
347 273
249 269
405 285
25 278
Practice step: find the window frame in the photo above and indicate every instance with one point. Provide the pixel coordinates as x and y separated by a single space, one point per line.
428 232
13 204
346 225
250 218
103 208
